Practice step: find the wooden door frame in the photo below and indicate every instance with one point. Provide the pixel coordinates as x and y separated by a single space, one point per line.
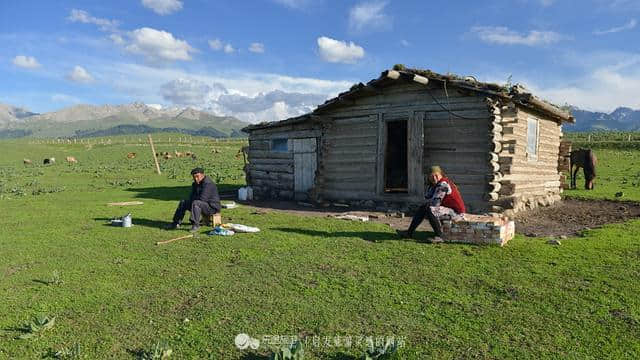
415 152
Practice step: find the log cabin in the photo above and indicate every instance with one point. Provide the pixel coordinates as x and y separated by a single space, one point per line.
373 145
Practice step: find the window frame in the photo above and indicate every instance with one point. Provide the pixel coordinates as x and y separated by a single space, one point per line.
533 156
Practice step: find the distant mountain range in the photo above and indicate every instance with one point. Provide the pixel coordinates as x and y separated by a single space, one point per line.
138 118
622 118
105 120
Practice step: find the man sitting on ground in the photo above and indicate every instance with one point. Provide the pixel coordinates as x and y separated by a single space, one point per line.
204 200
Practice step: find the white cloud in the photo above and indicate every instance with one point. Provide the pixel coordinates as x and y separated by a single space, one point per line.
256 47
546 3
185 91
27 62
294 4
216 44
216 98
603 87
369 16
85 18
336 51
628 26
504 36
163 7
117 39
405 43
228 49
79 74
158 45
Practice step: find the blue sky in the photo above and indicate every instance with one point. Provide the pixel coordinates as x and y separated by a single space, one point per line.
269 59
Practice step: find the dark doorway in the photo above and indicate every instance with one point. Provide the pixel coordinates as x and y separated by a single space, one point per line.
395 161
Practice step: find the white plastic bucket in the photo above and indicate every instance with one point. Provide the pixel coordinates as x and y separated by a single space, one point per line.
126 221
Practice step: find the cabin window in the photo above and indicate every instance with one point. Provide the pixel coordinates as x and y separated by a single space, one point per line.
279 145
532 138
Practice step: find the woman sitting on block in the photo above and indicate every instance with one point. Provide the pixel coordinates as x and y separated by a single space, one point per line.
443 200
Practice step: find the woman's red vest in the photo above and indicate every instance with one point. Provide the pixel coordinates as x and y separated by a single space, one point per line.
453 200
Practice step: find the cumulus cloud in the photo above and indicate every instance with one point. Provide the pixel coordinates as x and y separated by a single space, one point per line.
504 36
117 39
605 85
27 62
84 17
369 16
216 44
336 51
628 26
158 45
185 92
216 98
228 49
405 43
79 74
163 7
256 47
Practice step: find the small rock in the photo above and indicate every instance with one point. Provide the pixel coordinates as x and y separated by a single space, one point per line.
553 242
563 237
186 320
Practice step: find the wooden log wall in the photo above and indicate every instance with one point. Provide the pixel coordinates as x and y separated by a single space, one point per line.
347 169
526 181
455 128
272 172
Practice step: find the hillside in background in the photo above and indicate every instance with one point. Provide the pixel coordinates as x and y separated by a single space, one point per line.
622 119
135 118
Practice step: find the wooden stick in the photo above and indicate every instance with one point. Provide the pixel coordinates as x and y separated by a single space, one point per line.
178 238
153 151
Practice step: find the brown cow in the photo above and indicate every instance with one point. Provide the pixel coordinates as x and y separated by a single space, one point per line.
178 154
71 160
131 155
26 161
167 156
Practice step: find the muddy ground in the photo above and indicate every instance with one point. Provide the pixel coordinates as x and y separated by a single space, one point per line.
569 217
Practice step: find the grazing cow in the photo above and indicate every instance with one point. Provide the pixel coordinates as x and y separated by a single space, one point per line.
71 160
178 154
167 156
132 155
585 159
26 161
49 161
188 153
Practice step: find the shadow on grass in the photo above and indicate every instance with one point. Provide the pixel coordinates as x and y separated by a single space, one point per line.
372 236
177 193
158 224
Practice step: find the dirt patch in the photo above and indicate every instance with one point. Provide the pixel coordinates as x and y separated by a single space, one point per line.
571 217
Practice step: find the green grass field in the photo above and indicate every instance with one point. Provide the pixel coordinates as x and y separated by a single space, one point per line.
115 294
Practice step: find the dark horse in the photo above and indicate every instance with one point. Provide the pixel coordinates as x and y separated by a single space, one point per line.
585 159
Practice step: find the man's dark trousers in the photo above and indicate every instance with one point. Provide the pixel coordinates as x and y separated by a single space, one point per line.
197 209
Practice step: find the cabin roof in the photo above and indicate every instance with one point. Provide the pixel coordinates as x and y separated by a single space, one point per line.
516 93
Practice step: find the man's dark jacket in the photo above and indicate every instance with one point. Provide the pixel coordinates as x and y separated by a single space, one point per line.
207 192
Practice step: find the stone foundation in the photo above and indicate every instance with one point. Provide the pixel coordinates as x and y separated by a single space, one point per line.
479 229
